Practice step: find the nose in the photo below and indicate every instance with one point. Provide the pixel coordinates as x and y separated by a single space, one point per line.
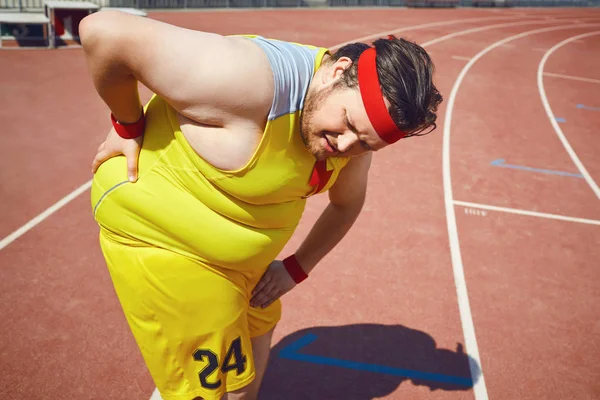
346 141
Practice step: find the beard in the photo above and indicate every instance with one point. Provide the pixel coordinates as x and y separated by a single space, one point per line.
309 133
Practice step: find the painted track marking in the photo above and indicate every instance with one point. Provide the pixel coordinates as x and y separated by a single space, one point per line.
155 395
540 82
574 78
480 390
501 163
292 352
527 213
589 108
45 214
482 28
485 28
422 26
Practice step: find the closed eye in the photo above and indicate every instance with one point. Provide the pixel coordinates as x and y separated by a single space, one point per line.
365 145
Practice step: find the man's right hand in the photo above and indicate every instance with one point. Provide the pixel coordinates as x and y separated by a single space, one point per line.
114 145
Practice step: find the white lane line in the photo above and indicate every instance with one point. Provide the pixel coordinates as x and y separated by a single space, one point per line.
485 28
461 58
475 365
155 395
573 78
422 26
540 82
49 211
527 213
481 28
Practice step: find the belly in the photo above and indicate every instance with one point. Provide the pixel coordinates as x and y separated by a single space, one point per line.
174 205
161 209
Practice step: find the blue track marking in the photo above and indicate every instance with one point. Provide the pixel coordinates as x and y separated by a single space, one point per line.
562 120
500 163
583 106
290 352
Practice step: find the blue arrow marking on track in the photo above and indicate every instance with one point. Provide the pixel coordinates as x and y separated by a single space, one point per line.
588 107
291 352
500 163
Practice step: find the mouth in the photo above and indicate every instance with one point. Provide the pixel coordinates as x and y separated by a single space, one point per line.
328 145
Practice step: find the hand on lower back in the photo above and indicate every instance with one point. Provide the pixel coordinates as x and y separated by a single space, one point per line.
113 146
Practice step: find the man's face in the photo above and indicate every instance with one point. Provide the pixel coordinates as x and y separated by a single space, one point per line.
334 122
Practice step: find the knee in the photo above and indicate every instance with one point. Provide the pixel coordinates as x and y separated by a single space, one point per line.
242 394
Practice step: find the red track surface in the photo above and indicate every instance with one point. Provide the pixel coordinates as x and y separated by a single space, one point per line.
532 282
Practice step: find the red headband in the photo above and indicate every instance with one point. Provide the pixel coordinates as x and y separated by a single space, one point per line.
370 90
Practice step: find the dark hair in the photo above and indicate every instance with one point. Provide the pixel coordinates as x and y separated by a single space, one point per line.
405 73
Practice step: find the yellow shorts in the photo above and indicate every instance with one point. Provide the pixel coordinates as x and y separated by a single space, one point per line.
193 326
182 272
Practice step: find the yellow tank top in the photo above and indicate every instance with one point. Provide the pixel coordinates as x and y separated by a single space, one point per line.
275 182
238 219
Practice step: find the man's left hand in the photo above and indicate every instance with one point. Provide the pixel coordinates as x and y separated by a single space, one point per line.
274 283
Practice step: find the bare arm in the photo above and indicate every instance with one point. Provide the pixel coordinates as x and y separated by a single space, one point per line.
346 199
206 77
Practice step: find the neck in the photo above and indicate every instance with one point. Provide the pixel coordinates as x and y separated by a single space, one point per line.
325 65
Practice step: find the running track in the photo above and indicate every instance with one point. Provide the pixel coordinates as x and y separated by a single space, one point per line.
475 258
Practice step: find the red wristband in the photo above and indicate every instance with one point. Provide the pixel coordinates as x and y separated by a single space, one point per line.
293 268
129 131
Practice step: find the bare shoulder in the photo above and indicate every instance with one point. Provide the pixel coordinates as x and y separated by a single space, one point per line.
203 75
350 188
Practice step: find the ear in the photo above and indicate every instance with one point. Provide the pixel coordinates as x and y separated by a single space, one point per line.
335 70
